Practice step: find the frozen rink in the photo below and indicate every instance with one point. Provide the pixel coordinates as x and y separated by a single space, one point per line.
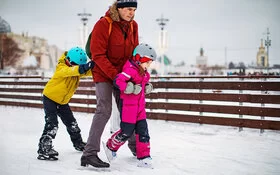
176 148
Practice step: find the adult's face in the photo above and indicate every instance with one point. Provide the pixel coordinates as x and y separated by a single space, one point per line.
127 13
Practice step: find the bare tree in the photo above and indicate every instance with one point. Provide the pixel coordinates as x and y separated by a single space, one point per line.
10 51
231 65
241 65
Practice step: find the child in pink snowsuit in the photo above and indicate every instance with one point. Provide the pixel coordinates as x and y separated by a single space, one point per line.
133 83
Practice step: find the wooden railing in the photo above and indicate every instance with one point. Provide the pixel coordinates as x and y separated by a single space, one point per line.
242 101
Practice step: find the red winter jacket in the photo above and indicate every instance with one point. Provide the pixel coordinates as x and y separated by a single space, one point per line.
111 51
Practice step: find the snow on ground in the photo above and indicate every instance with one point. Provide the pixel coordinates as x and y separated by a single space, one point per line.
177 148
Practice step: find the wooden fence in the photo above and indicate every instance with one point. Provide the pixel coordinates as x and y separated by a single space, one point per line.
242 101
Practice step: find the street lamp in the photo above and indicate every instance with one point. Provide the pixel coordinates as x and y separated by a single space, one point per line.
162 22
267 44
84 18
162 43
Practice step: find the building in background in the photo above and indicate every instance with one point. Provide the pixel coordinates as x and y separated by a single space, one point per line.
201 60
262 58
36 54
46 55
4 26
4 29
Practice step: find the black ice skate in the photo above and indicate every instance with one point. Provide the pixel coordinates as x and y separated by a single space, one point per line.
79 146
50 155
46 151
94 161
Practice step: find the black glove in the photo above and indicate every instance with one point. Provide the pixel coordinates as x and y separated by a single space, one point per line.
83 68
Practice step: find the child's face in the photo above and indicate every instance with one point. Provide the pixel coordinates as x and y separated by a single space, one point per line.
146 65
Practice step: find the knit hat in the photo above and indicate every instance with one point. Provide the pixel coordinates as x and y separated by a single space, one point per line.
126 3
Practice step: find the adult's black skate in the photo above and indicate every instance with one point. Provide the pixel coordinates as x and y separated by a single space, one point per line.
94 161
79 146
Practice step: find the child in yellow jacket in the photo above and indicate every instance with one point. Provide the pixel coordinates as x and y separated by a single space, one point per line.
57 93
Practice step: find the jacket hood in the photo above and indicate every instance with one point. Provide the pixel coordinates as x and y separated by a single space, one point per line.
113 12
62 57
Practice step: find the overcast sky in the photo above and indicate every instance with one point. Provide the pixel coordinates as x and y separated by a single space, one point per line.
238 25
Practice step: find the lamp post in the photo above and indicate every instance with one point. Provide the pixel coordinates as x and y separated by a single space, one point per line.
267 44
162 40
84 18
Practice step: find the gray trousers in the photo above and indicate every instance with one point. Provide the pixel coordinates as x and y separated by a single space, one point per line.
103 111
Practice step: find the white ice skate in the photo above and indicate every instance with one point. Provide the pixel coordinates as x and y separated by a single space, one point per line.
145 163
111 155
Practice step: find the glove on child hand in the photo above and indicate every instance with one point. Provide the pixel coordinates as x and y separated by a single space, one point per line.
137 89
148 88
129 88
83 68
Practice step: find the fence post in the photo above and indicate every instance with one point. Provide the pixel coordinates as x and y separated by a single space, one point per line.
240 104
201 91
166 99
42 75
263 92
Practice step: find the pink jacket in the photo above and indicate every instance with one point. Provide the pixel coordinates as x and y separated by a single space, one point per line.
132 106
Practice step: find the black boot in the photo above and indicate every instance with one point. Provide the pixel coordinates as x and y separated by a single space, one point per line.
132 146
93 161
46 151
79 146
133 150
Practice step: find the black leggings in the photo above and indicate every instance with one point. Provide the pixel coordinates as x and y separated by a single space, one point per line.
52 110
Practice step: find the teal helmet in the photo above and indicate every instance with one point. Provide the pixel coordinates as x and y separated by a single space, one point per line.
76 56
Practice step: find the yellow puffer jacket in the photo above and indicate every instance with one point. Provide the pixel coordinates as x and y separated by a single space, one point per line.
63 84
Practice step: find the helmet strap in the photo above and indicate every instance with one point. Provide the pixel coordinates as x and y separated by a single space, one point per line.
67 62
137 58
